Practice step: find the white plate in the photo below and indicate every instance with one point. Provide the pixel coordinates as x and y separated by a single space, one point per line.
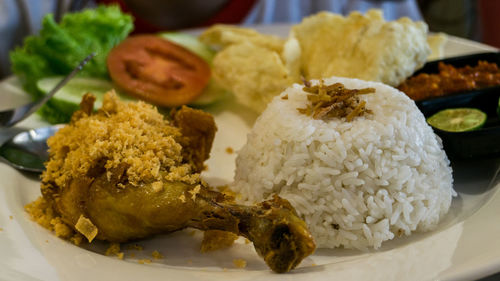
465 246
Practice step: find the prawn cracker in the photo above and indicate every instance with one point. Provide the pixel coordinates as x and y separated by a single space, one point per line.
361 46
253 73
220 36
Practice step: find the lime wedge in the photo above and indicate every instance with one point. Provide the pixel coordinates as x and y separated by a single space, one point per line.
458 119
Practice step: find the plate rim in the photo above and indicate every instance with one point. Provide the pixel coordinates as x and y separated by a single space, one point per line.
479 272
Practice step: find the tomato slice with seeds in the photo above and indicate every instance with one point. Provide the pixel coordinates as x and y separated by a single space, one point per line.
157 71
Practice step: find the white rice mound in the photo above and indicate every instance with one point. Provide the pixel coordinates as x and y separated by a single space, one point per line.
356 184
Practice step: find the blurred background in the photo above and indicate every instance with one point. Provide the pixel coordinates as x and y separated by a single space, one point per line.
472 19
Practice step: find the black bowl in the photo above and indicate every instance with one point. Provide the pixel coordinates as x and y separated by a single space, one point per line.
481 143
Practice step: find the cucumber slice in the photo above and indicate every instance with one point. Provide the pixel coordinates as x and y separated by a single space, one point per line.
191 43
213 92
74 90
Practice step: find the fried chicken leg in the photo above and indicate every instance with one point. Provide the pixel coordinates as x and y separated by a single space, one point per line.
119 205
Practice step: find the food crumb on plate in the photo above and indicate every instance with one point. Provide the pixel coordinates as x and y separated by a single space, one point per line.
240 263
114 250
61 229
229 150
157 255
217 239
76 239
11 217
136 247
144 261
42 212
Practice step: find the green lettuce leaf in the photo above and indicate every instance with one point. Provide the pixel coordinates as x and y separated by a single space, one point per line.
60 47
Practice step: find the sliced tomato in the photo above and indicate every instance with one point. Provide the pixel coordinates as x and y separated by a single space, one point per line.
158 71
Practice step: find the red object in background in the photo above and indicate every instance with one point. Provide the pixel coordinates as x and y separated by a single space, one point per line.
233 12
140 25
489 20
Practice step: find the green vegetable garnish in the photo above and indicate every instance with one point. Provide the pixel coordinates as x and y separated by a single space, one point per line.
213 92
191 43
60 47
74 90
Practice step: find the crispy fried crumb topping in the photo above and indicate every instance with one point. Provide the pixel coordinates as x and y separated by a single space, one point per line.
123 138
86 228
334 101
42 211
214 240
240 263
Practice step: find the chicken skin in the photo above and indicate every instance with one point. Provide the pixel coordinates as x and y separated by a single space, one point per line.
125 173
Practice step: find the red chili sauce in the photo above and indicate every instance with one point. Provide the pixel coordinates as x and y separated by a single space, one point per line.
451 80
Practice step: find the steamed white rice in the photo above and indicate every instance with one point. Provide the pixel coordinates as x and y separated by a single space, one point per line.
356 184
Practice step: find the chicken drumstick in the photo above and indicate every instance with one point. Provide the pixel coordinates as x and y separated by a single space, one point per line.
124 173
